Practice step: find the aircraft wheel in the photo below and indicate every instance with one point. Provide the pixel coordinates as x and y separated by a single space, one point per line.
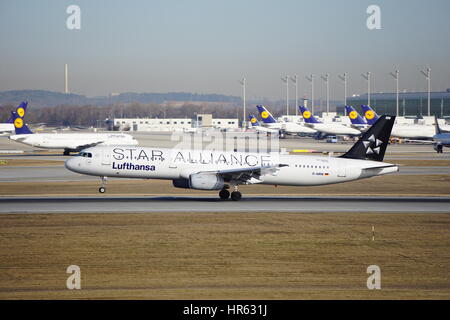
102 189
66 152
236 196
224 194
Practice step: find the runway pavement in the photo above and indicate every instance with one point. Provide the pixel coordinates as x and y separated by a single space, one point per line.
106 204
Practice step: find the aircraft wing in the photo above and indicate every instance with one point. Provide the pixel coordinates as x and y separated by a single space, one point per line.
246 175
89 145
420 141
382 167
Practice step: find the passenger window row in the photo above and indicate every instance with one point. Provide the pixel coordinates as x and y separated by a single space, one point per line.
311 166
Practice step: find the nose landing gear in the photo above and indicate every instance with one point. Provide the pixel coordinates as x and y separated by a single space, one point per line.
102 189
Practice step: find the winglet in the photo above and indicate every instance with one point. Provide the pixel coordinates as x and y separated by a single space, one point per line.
372 145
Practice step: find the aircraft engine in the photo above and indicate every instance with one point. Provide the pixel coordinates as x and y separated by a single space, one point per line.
201 181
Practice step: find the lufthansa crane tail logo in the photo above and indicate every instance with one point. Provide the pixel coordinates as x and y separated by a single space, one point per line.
21 112
353 115
253 120
370 114
306 114
265 114
18 123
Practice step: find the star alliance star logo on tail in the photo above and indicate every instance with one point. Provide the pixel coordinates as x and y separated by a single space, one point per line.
372 145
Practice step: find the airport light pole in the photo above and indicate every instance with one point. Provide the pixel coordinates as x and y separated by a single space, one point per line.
427 74
404 102
295 80
311 79
286 80
242 82
396 76
326 78
344 78
367 77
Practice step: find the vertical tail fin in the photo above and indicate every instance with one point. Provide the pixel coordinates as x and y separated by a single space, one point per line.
372 145
307 115
19 124
436 125
370 115
354 116
20 110
266 115
253 120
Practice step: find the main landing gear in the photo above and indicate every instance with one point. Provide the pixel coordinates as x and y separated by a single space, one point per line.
224 194
102 189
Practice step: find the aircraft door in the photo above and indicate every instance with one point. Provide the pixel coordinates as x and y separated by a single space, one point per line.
342 172
106 157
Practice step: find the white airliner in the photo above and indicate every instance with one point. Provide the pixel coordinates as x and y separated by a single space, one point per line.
328 128
216 170
70 142
8 126
291 128
409 131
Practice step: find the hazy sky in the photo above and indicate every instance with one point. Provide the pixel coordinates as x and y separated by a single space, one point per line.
206 46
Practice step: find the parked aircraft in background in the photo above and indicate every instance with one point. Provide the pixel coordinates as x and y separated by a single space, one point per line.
410 131
257 126
328 128
8 126
222 170
290 128
357 121
441 138
70 142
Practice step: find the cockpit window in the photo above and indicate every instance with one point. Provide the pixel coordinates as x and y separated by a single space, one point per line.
86 154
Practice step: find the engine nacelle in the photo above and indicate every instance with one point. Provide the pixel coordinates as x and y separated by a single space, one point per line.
181 183
201 181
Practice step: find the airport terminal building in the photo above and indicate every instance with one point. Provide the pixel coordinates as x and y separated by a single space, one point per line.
175 124
410 103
